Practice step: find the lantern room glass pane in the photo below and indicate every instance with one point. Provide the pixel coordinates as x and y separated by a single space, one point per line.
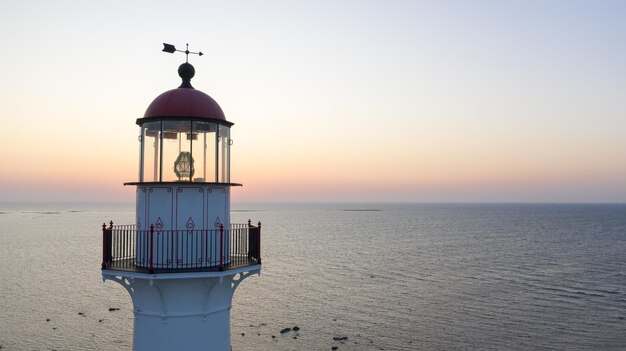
224 154
203 146
184 151
211 161
178 162
150 144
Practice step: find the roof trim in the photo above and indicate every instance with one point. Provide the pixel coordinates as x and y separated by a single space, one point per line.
183 183
223 122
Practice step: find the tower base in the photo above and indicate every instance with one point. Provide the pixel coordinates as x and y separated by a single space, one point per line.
181 311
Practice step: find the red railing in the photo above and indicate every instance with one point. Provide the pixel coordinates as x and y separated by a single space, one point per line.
126 248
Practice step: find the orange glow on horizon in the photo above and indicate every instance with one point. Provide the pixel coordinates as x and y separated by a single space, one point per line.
403 109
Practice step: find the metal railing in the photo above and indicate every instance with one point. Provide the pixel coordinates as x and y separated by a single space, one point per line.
126 248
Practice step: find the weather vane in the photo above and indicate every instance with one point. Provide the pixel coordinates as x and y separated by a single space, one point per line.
171 49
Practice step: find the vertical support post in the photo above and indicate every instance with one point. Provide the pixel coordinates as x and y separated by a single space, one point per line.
190 147
217 152
221 247
151 248
142 138
204 158
259 258
104 246
161 153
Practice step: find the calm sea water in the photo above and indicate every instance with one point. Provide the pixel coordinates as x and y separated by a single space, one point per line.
386 276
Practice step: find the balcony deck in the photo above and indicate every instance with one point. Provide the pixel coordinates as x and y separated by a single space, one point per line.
128 265
124 248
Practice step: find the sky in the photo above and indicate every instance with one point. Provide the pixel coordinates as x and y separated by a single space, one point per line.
377 101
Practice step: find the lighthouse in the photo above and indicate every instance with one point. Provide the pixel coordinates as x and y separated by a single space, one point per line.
182 258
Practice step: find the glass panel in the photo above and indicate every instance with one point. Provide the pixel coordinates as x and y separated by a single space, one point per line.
151 133
203 147
224 155
178 163
185 151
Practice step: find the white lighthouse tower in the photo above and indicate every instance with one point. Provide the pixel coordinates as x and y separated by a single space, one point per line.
182 259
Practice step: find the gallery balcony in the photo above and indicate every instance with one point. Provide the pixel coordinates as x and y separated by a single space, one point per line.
126 248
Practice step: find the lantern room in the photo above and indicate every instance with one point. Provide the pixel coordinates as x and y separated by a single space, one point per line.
184 137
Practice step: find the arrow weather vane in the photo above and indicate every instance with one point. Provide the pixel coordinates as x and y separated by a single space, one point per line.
171 49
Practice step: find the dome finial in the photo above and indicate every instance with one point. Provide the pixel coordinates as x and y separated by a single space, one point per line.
186 70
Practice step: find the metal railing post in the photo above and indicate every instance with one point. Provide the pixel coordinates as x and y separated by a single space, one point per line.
110 239
221 247
259 258
151 248
104 246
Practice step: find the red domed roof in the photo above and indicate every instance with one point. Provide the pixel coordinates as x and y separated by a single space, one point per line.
185 102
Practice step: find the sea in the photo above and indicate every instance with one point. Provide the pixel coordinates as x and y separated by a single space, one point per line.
350 276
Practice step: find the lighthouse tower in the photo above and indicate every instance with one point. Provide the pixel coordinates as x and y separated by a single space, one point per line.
183 258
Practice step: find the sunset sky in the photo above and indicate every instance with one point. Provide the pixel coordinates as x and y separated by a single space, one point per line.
422 101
